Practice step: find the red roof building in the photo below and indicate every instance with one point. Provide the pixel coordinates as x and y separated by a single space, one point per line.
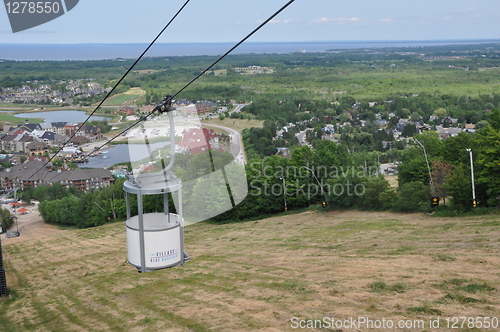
18 132
197 140
127 110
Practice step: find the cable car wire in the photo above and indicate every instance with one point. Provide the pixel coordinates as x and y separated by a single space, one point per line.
114 87
234 47
171 97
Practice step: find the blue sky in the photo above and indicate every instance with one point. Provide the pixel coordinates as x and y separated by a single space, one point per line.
134 21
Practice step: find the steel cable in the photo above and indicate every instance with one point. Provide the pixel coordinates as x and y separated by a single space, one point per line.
114 87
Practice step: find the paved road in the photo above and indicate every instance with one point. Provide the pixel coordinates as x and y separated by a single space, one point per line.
238 108
302 137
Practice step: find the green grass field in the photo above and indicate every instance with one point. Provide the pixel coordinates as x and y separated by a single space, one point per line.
10 119
127 97
236 124
259 275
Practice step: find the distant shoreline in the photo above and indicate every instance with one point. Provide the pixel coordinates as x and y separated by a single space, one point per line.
75 52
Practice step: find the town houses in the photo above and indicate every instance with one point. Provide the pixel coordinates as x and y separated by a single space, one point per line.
35 173
32 141
188 108
36 139
39 92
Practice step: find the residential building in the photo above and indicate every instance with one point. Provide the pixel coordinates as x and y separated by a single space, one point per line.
197 140
7 143
15 143
79 140
85 179
92 133
37 148
46 126
204 108
444 133
29 127
181 103
58 128
146 109
127 110
70 129
23 175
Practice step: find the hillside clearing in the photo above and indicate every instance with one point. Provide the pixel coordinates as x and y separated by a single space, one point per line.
236 124
258 275
129 96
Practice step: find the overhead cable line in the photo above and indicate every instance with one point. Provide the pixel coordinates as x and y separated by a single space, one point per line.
234 47
169 98
114 87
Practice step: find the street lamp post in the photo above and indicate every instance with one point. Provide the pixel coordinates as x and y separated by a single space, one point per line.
428 167
474 203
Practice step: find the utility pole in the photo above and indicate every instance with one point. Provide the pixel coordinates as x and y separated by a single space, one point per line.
474 203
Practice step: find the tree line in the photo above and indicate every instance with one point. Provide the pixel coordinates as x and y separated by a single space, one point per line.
450 166
329 173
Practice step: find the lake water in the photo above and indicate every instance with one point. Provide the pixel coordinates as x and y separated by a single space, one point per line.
59 52
61 116
120 154
115 154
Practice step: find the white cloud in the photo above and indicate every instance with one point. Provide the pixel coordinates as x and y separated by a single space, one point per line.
338 20
323 19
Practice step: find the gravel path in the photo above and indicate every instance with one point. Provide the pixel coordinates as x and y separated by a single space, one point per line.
30 225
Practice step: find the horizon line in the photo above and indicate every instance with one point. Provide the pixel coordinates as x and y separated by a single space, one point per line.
282 42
